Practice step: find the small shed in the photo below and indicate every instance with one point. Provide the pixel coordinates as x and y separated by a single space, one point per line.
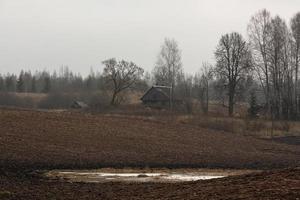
157 95
79 105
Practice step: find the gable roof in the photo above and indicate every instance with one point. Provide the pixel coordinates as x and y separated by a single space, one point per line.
157 93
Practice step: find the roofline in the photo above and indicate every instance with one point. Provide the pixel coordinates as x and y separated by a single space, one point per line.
162 86
154 86
146 93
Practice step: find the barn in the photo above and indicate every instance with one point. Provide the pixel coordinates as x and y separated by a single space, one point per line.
157 95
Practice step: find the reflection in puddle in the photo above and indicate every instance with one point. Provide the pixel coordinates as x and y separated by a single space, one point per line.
99 177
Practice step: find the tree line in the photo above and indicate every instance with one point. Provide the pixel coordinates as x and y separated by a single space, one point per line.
263 64
275 48
45 82
268 61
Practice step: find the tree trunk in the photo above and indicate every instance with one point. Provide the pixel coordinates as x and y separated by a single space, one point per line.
207 99
268 90
231 102
230 108
296 83
113 100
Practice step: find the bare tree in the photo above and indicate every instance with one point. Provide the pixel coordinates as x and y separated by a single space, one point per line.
168 66
275 54
185 89
233 63
280 70
259 31
295 27
202 81
122 74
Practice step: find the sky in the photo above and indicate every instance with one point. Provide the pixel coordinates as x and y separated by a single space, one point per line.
80 34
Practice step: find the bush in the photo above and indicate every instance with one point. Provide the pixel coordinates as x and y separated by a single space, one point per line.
282 126
254 108
10 99
57 101
255 125
96 101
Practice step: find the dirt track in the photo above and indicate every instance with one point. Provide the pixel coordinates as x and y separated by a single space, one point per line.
32 139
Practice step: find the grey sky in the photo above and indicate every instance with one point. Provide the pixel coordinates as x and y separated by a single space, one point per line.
38 34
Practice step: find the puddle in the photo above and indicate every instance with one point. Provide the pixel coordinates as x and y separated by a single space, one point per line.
101 177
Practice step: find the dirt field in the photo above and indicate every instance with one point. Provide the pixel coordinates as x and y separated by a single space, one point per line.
35 140
283 184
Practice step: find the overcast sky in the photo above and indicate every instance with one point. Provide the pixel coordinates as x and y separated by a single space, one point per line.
38 34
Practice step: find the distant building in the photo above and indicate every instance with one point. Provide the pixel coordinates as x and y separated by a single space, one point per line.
79 105
157 95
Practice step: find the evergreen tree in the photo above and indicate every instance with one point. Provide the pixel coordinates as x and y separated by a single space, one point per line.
33 85
2 85
253 109
10 83
20 83
47 84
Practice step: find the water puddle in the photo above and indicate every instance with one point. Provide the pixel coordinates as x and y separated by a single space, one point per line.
101 177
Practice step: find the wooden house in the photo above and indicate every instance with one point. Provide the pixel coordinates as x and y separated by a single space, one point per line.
157 96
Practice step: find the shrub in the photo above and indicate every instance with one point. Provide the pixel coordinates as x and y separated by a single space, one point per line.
57 101
10 99
255 125
97 101
282 126
253 110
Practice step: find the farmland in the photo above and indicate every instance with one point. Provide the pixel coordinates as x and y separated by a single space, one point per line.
150 100
35 139
42 140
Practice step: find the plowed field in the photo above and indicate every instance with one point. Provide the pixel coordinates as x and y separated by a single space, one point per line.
31 140
35 140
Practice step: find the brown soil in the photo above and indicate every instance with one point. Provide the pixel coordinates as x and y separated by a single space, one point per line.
35 140
284 184
43 140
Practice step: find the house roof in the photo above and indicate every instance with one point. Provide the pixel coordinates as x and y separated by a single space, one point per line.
80 104
157 93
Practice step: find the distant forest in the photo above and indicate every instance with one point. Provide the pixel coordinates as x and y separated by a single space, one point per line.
63 81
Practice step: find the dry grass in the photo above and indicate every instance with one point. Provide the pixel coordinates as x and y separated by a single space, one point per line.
244 126
217 119
35 96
